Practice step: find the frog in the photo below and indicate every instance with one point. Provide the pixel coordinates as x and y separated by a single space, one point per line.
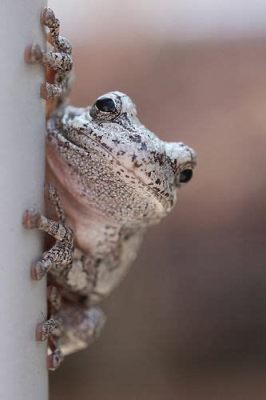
108 179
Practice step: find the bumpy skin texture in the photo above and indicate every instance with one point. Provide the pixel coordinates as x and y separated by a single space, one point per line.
110 179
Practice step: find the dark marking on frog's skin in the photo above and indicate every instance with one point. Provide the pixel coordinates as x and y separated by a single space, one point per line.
113 178
143 146
135 138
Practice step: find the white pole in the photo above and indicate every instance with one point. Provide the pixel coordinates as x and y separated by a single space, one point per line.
23 373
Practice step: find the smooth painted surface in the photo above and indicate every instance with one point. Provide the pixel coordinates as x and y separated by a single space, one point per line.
23 373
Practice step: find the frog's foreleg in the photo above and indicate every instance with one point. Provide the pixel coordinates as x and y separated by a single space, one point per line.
60 255
58 60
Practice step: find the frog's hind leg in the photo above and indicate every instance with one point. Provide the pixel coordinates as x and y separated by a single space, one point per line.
58 61
51 329
71 329
80 327
53 325
45 329
55 355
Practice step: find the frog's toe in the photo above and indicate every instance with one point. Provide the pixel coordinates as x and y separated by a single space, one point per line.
54 359
30 219
38 271
46 328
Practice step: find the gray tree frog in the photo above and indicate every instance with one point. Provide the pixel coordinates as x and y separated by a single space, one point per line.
108 179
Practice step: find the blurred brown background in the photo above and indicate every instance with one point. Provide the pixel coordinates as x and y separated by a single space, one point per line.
189 322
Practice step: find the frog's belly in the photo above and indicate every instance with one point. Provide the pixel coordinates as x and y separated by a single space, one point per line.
108 276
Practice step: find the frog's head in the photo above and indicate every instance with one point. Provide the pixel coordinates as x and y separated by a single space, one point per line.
126 149
162 166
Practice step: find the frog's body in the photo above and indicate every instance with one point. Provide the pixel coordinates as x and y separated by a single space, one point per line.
114 178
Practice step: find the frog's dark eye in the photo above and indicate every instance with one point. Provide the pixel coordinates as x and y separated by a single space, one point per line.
185 175
106 108
106 104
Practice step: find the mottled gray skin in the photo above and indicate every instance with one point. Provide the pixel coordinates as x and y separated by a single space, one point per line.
109 178
114 178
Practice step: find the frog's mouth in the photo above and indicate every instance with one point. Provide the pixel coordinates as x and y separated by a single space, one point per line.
65 142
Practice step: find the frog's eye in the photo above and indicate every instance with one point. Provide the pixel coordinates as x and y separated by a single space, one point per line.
106 108
185 175
106 105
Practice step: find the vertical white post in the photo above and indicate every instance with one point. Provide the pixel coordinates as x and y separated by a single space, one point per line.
23 374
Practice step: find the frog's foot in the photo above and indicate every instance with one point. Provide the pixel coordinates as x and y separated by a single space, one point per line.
58 60
51 329
46 328
60 255
54 359
80 327
71 329
55 355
